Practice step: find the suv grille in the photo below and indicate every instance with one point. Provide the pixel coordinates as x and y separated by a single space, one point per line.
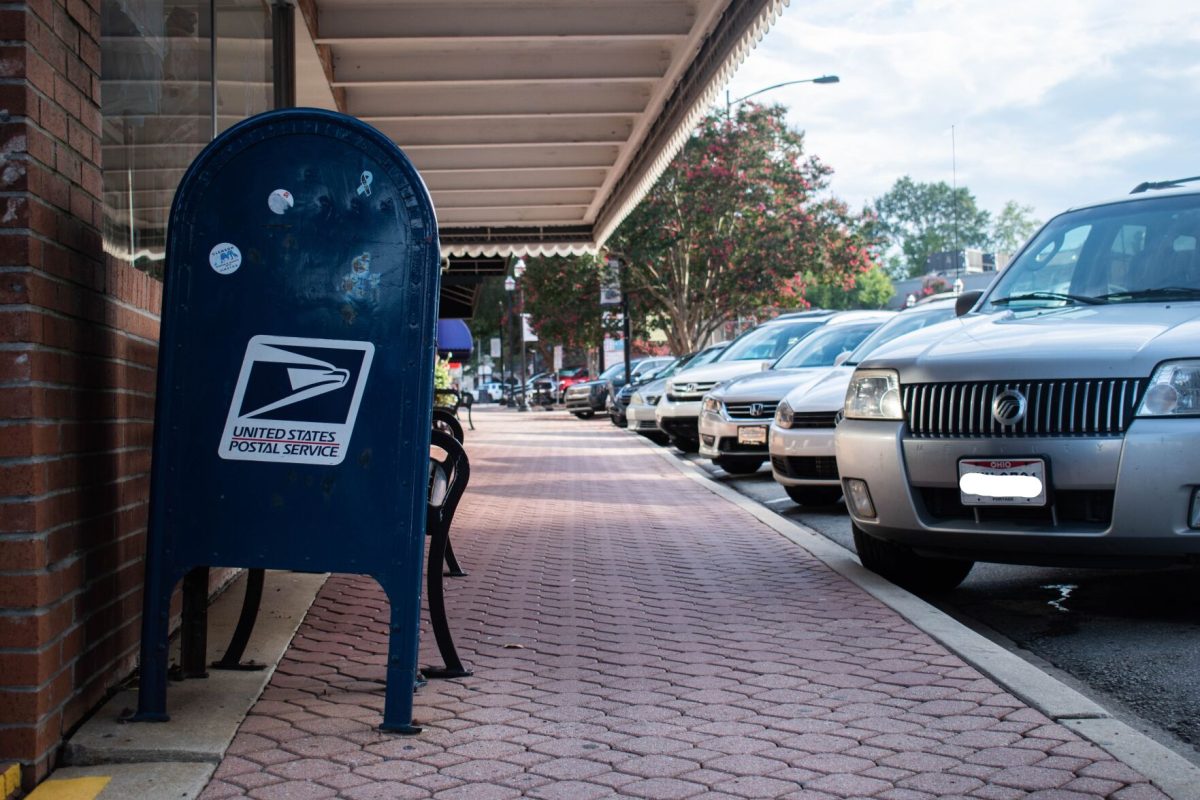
1084 507
766 410
690 390
816 468
1094 407
815 419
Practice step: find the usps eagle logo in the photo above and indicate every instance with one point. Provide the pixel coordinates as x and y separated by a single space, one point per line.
296 400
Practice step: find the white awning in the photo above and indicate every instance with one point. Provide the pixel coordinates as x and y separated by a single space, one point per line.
537 124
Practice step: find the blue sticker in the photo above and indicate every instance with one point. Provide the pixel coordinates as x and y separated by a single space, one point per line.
365 181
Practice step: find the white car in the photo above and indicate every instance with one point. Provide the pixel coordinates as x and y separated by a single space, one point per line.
678 412
735 414
801 436
640 413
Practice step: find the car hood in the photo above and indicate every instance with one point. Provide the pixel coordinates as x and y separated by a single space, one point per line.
768 386
826 393
721 371
1115 341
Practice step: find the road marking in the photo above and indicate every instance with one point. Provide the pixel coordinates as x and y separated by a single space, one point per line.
72 789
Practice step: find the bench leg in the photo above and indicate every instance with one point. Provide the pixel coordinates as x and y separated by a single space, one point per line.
438 549
452 567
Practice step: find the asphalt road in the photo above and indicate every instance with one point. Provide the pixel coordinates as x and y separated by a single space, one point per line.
1130 639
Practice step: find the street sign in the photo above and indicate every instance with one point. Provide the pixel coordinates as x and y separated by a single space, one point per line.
295 375
494 350
527 332
558 357
610 283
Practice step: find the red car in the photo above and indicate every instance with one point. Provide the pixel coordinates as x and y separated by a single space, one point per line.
569 377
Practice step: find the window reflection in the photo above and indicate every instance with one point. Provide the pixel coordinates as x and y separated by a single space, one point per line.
158 109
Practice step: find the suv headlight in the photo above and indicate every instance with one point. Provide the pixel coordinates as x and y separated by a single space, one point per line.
784 414
635 399
712 405
874 394
1174 391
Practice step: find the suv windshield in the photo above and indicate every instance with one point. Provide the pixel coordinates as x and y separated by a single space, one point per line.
905 322
770 341
822 348
617 369
1130 252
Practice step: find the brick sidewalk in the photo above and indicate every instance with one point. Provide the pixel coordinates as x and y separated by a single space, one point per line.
634 635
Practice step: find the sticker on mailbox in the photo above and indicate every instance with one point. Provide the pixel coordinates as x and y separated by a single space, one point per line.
296 400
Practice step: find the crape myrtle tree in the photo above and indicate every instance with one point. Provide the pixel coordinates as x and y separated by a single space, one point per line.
738 223
562 298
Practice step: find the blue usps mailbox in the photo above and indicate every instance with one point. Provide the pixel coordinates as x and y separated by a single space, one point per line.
296 373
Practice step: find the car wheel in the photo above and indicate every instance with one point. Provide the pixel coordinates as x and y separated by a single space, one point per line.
903 567
814 495
583 414
656 437
687 445
739 465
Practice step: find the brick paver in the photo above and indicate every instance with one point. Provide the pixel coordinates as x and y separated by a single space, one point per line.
634 635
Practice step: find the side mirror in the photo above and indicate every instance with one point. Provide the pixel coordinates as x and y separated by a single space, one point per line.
966 301
841 358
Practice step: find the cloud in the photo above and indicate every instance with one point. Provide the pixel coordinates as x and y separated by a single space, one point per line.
1052 103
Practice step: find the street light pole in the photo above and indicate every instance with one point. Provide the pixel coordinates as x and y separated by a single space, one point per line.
519 272
729 104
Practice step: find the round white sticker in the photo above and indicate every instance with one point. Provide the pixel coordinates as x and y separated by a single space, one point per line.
225 258
280 201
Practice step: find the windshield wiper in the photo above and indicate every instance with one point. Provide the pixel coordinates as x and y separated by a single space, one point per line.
1070 298
1161 293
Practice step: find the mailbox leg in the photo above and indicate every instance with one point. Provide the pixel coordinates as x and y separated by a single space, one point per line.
156 615
402 663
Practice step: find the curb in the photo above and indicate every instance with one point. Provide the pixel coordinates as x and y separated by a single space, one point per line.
1169 771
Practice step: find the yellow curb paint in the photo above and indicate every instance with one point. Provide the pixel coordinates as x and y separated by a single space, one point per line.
10 781
70 789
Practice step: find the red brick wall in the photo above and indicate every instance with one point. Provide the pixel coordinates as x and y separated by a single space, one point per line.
77 357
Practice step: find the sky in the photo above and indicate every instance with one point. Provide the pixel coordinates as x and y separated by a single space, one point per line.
1053 103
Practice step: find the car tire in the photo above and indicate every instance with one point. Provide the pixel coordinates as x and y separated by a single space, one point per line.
583 414
657 437
739 465
686 445
813 495
904 567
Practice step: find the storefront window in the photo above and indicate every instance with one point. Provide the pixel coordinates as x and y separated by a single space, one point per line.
157 104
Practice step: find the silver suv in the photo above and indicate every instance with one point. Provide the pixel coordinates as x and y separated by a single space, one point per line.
1057 424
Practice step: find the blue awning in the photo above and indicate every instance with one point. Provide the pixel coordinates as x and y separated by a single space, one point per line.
454 339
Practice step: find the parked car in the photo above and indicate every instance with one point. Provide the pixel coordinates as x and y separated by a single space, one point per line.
569 377
735 414
639 414
618 394
678 412
489 392
801 435
586 399
1056 423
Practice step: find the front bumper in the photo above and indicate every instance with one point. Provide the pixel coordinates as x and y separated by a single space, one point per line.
719 436
677 418
1111 500
641 418
803 456
583 401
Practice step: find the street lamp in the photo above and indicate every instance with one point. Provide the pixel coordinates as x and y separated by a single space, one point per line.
729 104
510 284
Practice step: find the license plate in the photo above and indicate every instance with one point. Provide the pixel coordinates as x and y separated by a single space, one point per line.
1002 481
754 434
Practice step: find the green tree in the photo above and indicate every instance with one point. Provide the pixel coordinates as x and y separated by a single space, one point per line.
871 289
737 222
926 218
1013 226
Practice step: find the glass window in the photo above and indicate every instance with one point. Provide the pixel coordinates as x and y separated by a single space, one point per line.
157 105
905 322
823 347
1135 251
768 342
